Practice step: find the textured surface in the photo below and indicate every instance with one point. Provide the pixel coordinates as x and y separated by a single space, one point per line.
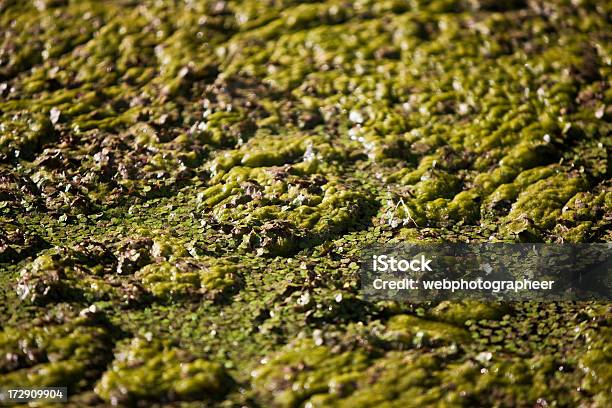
185 187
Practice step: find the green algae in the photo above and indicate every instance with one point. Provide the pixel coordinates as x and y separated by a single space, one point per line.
146 370
594 363
411 329
171 280
541 203
74 274
24 134
310 370
207 173
302 375
72 353
460 312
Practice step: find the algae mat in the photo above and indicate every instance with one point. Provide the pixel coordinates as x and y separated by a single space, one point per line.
185 188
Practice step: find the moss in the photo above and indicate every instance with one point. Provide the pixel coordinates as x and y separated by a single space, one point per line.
148 370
